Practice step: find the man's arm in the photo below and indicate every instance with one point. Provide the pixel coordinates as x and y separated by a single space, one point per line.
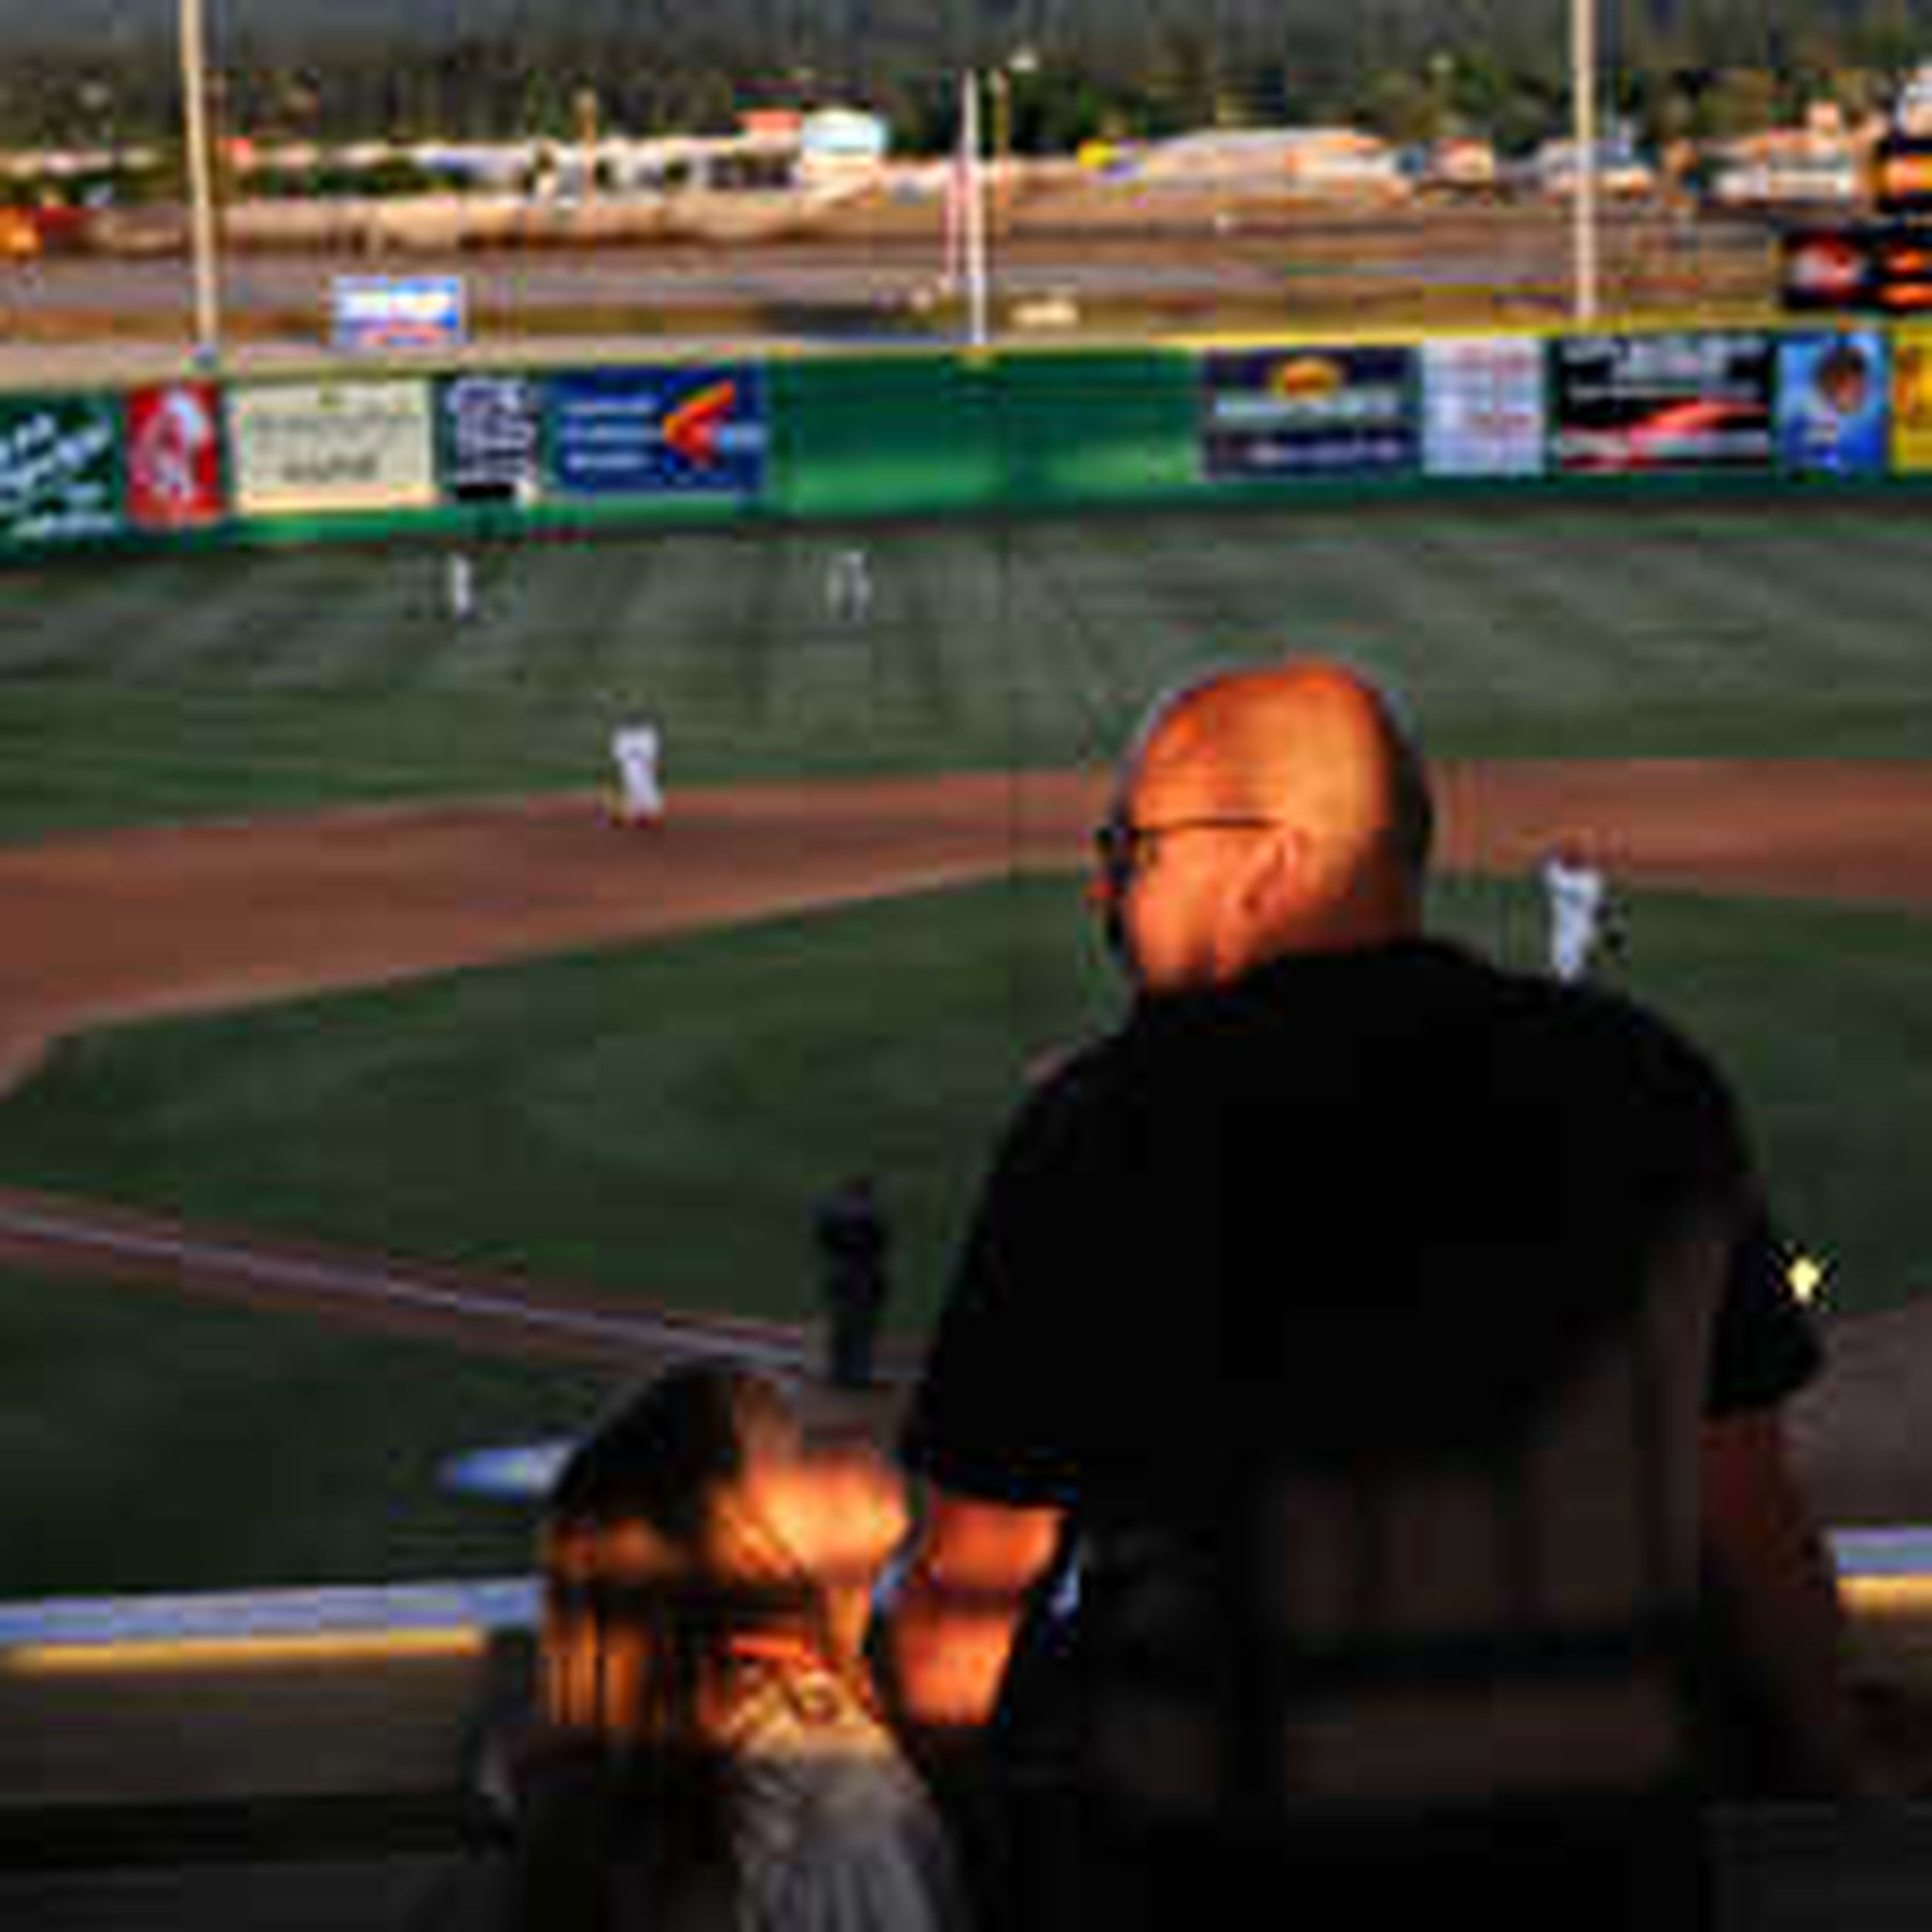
950 1626
1775 1593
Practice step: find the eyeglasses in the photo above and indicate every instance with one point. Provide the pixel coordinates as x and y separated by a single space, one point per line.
1121 846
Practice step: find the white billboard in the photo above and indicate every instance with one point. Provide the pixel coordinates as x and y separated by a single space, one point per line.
1485 406
304 448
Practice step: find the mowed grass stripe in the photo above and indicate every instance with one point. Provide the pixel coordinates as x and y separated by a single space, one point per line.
660 1120
1514 626
1486 631
1068 669
1866 601
272 1449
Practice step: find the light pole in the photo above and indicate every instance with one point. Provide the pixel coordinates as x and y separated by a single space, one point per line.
972 216
201 184
1587 266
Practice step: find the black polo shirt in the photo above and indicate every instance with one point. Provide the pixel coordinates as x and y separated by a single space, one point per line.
1357 1206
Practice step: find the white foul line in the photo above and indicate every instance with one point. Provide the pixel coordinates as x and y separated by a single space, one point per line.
381 1287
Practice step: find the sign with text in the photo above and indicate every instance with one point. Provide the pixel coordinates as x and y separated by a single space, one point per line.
1881 268
60 469
1902 175
1670 402
1485 406
1834 403
1912 401
173 457
659 432
1827 270
492 429
1272 413
304 448
381 314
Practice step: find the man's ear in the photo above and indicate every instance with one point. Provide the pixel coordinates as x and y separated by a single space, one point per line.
1279 877
1275 888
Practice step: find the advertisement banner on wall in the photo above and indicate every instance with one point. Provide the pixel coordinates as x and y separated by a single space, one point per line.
1912 401
1485 406
380 315
492 429
1882 268
173 457
1834 403
1666 403
1272 413
659 432
60 469
307 447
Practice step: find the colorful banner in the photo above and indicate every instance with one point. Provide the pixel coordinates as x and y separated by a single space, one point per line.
60 469
492 429
174 460
1880 268
1674 402
1828 271
1901 168
381 314
1485 406
1272 413
304 447
659 432
1834 397
1912 401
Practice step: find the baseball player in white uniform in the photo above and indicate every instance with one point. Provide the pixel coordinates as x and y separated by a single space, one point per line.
1579 897
462 587
848 586
634 748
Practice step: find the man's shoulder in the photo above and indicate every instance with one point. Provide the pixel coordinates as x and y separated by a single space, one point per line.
1440 1010
1579 1018
1622 1074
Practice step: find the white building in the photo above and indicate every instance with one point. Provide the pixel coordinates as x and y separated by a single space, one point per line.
1311 161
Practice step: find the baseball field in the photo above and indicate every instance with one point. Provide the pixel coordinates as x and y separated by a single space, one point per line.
319 943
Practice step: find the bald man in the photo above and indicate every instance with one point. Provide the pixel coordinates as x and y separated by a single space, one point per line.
1396 1345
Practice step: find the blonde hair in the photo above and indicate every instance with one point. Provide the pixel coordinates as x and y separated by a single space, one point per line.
654 1573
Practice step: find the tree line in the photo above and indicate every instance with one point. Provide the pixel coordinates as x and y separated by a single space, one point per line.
1070 70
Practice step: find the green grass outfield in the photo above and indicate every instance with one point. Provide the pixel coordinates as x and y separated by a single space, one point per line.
659 1119
1519 624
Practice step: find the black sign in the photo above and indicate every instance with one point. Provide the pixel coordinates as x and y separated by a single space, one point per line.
1672 402
1878 268
1902 175
1826 270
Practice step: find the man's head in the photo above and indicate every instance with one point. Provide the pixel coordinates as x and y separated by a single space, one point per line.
1259 813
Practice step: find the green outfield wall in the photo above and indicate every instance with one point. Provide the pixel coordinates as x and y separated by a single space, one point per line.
387 450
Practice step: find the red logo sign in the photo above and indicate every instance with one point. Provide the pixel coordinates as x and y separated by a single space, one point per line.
692 428
173 457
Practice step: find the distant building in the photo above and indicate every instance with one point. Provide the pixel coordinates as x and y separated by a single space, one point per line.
1311 161
837 143
1621 172
1795 167
779 150
1459 165
1912 112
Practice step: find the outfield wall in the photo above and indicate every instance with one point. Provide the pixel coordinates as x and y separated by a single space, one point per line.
388 450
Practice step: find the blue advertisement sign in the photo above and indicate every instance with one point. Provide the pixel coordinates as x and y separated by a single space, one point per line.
492 438
659 432
1272 413
1833 413
378 313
